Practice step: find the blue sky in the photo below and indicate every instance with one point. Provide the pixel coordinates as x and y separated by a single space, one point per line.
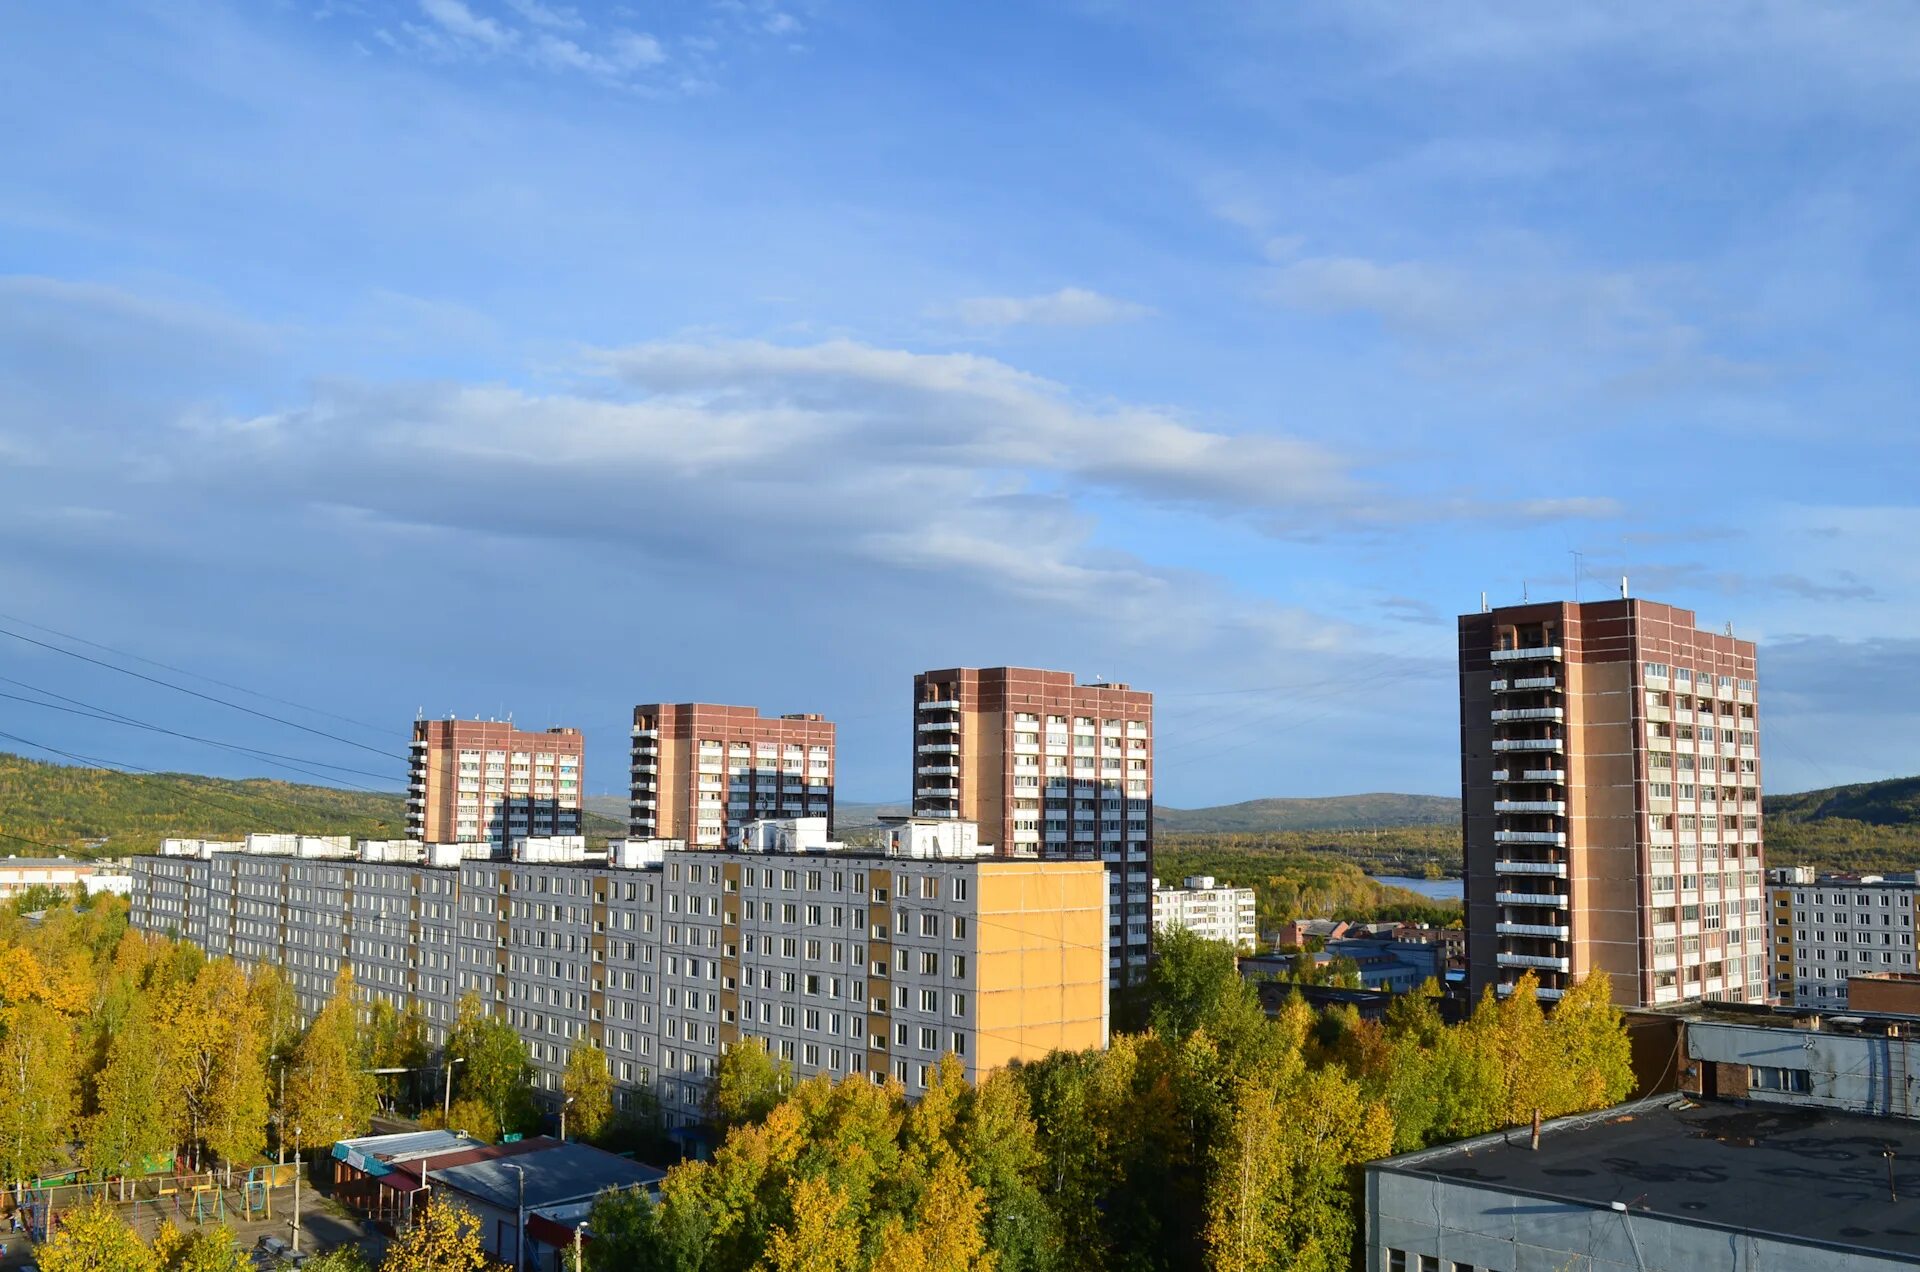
480 356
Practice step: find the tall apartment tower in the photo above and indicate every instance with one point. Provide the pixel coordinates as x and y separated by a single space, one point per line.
702 771
1047 766
1610 782
480 781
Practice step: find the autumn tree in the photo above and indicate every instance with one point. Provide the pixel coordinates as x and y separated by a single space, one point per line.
328 1097
216 1054
213 1249
1594 1056
821 1237
748 1084
130 1097
37 1088
445 1237
497 1072
589 1084
94 1238
626 1234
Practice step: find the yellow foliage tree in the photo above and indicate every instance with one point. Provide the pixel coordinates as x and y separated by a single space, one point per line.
93 1238
444 1238
589 1083
822 1236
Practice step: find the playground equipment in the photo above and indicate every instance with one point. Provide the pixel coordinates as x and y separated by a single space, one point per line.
209 1203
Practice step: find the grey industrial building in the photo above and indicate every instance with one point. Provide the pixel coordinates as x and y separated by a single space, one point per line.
1667 1185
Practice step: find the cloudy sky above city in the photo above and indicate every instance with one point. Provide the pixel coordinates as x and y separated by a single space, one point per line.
502 356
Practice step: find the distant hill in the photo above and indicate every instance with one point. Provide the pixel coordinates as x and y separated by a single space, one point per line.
1892 802
73 809
1333 812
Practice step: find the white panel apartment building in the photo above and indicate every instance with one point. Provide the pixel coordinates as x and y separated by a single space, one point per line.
845 962
1218 912
1830 928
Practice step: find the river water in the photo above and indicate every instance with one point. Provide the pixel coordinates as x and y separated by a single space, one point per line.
1438 889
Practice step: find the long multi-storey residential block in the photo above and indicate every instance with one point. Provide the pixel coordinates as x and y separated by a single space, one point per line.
480 781
1610 781
1045 764
844 961
1830 928
1216 911
702 771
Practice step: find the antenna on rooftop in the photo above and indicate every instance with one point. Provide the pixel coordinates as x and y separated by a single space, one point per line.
1579 568
1623 587
1524 598
1483 604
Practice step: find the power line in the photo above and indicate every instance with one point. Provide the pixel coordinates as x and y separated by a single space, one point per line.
195 693
152 662
190 789
106 714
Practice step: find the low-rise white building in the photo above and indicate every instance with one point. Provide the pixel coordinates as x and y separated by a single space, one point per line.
17 874
1218 912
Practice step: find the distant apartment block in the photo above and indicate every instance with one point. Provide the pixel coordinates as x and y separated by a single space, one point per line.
844 961
19 874
702 771
1610 779
1830 929
481 781
1050 766
1209 909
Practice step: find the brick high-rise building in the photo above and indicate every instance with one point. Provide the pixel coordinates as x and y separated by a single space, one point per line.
702 771
1610 783
1049 766
480 781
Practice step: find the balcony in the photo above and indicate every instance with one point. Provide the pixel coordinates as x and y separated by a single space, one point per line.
939 770
1556 838
941 704
645 733
1527 744
1558 933
1552 869
939 748
1529 713
935 792
1555 806
1546 962
1536 653
1557 776
940 726
1552 899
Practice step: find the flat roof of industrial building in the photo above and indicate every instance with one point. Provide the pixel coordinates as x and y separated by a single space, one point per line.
555 1174
1802 1174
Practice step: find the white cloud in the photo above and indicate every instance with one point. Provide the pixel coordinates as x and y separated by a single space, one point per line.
634 49
1068 307
543 15
461 22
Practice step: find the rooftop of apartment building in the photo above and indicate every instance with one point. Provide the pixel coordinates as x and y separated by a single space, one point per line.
1800 1174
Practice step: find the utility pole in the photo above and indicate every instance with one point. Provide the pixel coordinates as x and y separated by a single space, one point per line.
280 1112
296 1190
520 1221
446 1102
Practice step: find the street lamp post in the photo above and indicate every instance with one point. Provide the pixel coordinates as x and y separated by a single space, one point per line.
520 1221
280 1112
563 1118
296 1190
446 1102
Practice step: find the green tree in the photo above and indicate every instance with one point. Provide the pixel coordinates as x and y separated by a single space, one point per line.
748 1085
589 1084
1195 984
1000 1146
328 1097
497 1072
626 1234
130 1095
37 1085
94 1238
